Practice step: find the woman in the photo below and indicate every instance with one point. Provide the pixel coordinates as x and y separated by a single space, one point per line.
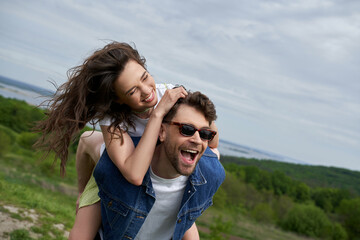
112 87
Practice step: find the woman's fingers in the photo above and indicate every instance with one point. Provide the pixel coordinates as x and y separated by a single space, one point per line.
170 98
177 93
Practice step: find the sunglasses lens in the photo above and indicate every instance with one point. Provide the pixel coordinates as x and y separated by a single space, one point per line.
206 134
187 130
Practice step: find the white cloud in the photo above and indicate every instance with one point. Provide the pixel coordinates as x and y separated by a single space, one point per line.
296 6
273 63
333 37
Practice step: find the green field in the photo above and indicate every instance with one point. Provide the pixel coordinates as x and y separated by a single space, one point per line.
258 199
32 184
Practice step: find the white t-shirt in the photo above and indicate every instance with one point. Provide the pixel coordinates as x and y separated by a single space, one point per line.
161 221
139 122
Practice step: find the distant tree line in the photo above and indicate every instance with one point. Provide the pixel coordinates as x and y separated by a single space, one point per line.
313 176
17 122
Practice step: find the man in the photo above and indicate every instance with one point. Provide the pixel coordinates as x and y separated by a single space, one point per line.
183 177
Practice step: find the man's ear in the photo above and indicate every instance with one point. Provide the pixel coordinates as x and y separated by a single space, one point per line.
162 133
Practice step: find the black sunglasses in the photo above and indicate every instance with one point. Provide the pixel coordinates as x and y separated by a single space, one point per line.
188 130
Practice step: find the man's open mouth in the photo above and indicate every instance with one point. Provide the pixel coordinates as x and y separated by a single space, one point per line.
189 155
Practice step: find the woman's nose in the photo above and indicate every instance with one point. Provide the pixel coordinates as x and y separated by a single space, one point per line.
145 90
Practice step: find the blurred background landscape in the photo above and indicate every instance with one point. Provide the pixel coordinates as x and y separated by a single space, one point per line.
283 75
272 198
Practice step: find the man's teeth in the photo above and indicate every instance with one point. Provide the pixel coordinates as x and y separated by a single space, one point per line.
190 154
191 151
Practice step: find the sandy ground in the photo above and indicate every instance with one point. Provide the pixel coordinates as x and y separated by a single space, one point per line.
9 223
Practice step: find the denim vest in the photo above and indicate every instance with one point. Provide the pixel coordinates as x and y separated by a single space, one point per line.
125 206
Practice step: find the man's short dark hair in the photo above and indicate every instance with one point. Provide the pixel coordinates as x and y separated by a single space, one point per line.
198 101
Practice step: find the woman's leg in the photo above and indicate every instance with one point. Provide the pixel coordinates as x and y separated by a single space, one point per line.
88 218
87 223
87 155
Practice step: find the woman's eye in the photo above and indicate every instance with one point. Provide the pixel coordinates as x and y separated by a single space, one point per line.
145 77
132 92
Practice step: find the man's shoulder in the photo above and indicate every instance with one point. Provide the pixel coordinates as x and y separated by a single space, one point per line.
211 167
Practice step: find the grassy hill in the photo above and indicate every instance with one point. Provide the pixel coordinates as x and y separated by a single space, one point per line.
258 200
34 185
314 176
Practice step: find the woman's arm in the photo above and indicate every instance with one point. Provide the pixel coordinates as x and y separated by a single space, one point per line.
215 142
134 162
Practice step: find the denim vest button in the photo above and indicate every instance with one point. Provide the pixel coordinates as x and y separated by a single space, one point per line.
179 221
110 204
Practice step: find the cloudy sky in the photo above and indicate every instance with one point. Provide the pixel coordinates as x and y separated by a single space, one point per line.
284 75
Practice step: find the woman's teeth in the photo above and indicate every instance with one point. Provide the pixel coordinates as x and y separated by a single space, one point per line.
149 98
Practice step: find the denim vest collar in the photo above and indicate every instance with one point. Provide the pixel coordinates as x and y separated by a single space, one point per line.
196 178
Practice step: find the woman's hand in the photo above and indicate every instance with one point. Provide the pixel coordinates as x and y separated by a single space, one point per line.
133 162
168 100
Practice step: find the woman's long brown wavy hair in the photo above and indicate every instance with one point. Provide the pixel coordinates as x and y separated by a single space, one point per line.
87 97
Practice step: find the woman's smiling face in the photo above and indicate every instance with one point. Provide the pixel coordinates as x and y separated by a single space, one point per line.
135 87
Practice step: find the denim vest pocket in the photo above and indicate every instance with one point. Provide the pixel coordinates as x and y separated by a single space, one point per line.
116 212
195 213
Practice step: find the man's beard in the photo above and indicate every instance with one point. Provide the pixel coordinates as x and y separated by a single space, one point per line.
173 157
